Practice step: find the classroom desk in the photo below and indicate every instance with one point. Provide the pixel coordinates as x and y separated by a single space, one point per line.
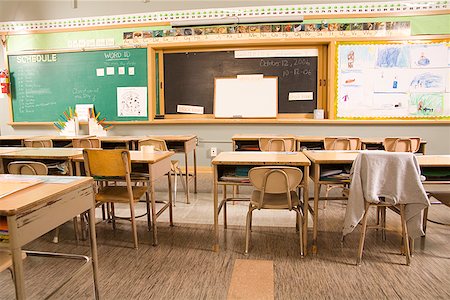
376 143
309 142
182 144
40 154
126 142
4 150
323 160
36 210
60 141
232 159
158 164
13 140
250 142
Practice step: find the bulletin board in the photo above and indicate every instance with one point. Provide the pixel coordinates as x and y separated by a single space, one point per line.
388 80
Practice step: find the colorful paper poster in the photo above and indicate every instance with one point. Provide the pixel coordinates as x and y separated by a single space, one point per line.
426 104
391 80
132 101
356 57
354 101
356 78
389 105
393 56
446 105
429 80
429 56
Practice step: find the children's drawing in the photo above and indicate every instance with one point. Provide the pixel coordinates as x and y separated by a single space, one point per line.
389 105
433 80
353 78
392 57
391 80
353 101
132 101
426 104
446 105
356 57
429 56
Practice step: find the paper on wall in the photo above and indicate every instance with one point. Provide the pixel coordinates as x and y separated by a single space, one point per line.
132 101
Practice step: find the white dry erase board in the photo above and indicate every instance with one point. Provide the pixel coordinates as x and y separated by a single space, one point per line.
246 97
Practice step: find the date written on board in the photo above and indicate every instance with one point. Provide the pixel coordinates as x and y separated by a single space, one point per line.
296 72
284 62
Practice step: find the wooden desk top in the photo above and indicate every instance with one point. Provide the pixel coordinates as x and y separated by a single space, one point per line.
331 157
44 153
250 137
174 138
304 138
140 156
119 138
15 137
347 157
263 158
62 137
434 160
36 195
379 140
4 150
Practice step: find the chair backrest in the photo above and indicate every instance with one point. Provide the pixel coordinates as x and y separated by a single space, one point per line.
101 163
38 143
86 143
160 145
275 180
342 143
27 168
396 144
277 144
272 179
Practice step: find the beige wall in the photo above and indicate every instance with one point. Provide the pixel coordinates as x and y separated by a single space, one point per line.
437 136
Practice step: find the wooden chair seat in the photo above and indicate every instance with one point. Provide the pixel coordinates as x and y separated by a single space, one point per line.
120 194
443 197
276 201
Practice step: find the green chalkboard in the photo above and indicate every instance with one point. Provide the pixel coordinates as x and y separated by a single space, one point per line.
44 85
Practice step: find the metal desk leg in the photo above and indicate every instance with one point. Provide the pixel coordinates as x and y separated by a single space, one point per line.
187 176
216 211
16 252
93 242
195 171
305 209
316 206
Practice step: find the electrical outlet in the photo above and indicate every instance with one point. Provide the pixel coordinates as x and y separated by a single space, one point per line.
213 152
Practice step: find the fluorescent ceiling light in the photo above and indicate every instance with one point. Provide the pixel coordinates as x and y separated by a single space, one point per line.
237 20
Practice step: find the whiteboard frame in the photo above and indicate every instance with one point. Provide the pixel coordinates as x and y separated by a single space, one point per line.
240 113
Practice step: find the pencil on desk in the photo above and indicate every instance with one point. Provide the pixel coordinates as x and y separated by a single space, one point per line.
66 116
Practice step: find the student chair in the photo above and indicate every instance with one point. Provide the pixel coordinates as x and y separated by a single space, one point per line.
395 144
274 189
27 168
160 145
386 180
38 143
86 143
115 165
277 144
342 143
339 143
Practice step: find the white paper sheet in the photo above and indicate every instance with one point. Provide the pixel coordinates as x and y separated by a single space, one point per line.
132 101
